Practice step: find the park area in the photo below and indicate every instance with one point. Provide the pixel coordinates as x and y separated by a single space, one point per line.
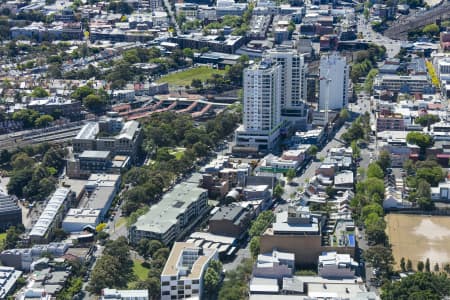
418 237
185 77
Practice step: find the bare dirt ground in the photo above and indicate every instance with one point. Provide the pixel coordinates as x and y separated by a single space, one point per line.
419 237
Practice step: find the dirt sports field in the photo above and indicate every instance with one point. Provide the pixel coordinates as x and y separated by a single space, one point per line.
418 237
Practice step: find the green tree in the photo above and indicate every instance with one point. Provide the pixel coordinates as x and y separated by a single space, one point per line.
330 191
431 30
381 257
422 140
211 282
54 158
131 56
235 285
428 286
362 172
142 247
384 160
375 228
355 149
153 246
423 195
82 92
374 171
372 208
427 265
114 268
153 285
408 165
254 246
420 266
21 161
344 115
290 174
409 265
19 179
39 92
403 264
447 268
94 103
431 174
43 121
26 116
278 191
427 120
436 267
374 186
313 150
12 237
197 83
261 223
188 52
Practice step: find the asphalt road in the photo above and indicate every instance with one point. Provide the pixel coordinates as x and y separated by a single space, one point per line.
369 35
241 254
362 105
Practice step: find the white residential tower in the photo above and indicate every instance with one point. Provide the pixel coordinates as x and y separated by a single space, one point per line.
334 82
262 106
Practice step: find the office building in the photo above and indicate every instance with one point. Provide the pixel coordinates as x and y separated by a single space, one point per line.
403 84
100 192
112 134
177 211
10 212
293 84
262 106
182 276
114 294
229 8
52 215
78 220
89 161
334 82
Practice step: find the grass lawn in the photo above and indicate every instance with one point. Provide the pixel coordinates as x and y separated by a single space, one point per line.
2 239
184 78
177 152
121 221
140 272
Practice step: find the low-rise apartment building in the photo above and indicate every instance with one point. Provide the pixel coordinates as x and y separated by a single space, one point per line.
232 220
61 200
390 122
334 265
299 231
182 276
177 211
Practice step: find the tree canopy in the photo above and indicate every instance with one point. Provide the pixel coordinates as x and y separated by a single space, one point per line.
419 285
114 269
374 171
420 139
426 120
